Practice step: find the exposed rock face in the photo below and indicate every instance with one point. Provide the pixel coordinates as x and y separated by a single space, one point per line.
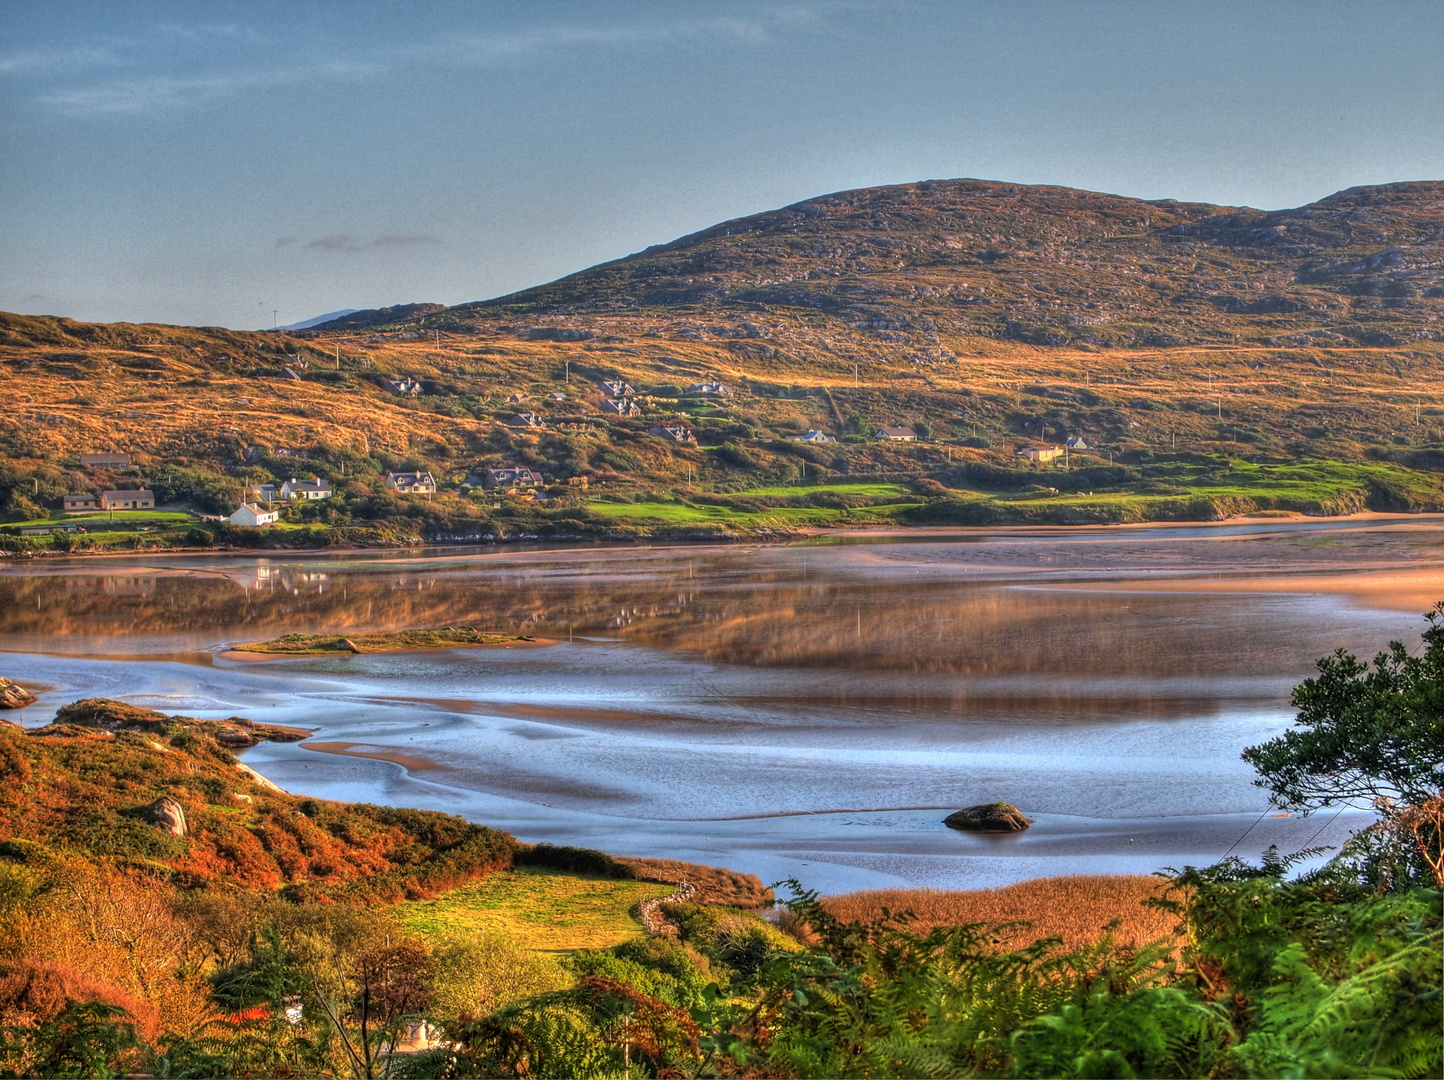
14 696
168 814
988 817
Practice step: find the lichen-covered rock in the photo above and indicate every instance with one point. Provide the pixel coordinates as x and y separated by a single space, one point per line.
14 696
169 815
988 817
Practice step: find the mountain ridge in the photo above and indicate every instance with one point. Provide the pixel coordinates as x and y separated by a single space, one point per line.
1038 264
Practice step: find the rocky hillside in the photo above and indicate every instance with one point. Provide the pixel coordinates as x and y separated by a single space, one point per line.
1045 265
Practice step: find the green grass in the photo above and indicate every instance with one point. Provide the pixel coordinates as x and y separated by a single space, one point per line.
539 908
101 517
774 517
866 491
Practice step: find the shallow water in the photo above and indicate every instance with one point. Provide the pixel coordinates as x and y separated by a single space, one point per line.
810 710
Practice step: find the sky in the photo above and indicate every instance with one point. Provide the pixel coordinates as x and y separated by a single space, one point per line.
236 164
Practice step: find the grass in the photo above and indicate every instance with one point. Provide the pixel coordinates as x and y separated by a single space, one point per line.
679 513
866 491
327 644
103 517
1077 908
539 908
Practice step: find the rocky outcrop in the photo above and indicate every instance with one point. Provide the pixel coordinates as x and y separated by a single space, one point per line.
988 817
169 815
234 733
14 696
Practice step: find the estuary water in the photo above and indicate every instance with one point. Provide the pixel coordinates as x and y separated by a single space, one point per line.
809 710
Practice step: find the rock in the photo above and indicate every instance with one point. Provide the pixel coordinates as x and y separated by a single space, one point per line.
168 814
349 645
14 696
988 817
255 777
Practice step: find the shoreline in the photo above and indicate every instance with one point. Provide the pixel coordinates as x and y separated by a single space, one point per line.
1267 522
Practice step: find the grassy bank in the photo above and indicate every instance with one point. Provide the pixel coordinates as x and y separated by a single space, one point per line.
330 644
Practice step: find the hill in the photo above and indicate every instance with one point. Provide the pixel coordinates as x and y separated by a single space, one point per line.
1206 360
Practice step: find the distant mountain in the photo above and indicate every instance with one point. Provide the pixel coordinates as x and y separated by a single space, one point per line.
360 320
318 320
1042 265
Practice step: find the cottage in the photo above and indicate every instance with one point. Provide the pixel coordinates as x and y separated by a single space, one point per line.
1076 442
518 399
513 476
525 420
676 434
314 488
253 516
558 396
410 483
1040 453
127 500
81 502
709 389
265 492
106 461
815 437
896 434
405 386
622 407
616 388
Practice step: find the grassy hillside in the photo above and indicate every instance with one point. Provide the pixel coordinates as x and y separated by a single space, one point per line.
1199 349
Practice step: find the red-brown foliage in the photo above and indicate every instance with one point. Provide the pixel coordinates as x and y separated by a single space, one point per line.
32 993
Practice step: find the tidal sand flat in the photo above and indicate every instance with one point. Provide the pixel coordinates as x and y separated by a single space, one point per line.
810 710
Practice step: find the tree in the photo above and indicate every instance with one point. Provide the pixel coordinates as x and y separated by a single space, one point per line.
1363 733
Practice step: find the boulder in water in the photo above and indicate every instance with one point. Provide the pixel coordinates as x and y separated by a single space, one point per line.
988 817
14 696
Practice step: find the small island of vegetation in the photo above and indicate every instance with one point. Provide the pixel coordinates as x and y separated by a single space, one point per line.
381 641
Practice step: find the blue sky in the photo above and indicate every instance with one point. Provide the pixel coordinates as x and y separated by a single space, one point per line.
210 163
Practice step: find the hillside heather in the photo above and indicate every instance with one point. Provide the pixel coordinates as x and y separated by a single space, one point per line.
89 783
1213 360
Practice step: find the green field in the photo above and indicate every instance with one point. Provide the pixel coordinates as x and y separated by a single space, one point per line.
539 909
781 517
103 517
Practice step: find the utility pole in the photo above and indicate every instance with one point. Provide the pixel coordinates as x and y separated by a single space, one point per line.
567 378
275 319
338 356
854 376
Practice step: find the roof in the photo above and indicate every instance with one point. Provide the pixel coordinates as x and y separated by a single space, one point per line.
898 432
134 493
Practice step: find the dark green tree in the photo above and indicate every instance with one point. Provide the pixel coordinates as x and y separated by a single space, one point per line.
1363 733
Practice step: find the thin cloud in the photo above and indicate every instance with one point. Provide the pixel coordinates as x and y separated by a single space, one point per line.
51 63
346 242
282 241
211 32
165 92
487 48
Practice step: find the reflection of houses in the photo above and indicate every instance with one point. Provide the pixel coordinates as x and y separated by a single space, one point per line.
81 502
621 407
1075 442
127 500
525 420
410 483
106 461
314 488
405 386
616 388
896 434
253 515
677 434
815 437
1040 453
513 476
709 389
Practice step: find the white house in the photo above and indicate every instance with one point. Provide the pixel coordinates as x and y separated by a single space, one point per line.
710 389
896 434
815 437
1076 442
1040 453
253 515
314 488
